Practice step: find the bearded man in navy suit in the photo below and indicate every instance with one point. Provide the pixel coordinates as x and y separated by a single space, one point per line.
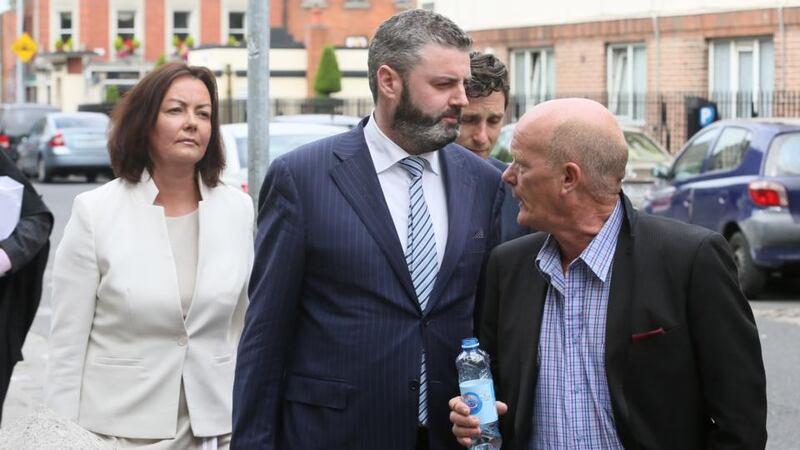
369 249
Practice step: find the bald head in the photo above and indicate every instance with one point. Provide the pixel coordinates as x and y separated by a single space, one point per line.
581 131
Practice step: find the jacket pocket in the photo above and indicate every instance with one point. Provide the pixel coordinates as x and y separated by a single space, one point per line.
117 361
318 392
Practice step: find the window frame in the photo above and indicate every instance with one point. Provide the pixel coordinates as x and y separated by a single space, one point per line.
613 100
65 31
737 46
232 31
546 57
187 30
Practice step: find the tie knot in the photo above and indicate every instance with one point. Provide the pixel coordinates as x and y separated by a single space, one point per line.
414 165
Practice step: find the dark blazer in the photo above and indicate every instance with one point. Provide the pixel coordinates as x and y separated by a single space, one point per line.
509 227
21 289
683 358
330 353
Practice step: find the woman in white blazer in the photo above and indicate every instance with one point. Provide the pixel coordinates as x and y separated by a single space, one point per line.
150 278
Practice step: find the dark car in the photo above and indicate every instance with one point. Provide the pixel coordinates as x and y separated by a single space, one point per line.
16 120
740 178
66 143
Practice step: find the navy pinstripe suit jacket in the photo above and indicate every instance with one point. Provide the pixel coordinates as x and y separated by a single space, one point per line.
330 353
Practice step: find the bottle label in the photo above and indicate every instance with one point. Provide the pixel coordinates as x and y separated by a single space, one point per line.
479 396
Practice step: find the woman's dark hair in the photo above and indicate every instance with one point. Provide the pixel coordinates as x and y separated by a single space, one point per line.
136 114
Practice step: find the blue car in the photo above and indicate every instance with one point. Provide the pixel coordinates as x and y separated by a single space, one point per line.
740 178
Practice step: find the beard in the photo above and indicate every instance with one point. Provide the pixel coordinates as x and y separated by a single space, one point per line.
420 132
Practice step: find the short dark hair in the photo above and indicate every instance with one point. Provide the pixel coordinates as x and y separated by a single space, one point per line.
489 75
399 40
135 116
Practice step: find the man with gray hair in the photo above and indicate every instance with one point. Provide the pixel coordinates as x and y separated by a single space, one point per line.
611 329
369 248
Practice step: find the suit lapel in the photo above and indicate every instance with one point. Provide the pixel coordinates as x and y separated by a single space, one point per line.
460 192
530 296
356 178
618 317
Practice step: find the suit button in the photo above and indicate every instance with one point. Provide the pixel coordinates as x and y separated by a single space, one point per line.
413 385
183 341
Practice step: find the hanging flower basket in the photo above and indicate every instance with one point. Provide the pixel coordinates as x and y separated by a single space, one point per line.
183 46
125 47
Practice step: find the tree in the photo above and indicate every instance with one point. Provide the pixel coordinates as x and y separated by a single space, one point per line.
329 77
112 93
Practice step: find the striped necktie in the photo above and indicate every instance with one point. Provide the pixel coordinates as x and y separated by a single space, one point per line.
420 257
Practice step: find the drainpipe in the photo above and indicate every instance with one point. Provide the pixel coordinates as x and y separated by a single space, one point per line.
782 33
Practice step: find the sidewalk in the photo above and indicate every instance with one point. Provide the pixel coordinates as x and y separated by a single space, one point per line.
25 394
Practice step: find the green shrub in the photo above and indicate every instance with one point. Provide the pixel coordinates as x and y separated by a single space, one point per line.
329 78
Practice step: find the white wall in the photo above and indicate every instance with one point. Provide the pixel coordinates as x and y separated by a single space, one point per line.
482 15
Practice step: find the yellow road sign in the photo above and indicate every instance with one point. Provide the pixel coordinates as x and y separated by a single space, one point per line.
24 47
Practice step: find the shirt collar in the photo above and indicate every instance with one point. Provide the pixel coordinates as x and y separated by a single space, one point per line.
598 255
385 153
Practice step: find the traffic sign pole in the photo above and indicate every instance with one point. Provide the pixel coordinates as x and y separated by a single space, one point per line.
20 74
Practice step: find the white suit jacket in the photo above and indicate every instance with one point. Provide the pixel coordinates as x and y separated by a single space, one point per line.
119 344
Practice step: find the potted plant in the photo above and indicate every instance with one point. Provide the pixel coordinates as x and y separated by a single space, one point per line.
63 46
125 47
182 46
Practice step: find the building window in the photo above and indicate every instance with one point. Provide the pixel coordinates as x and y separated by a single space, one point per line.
314 4
404 4
65 25
356 42
627 80
180 24
356 4
742 76
430 6
236 28
533 77
63 36
126 24
126 44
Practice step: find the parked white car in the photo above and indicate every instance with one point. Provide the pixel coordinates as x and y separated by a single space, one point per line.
283 137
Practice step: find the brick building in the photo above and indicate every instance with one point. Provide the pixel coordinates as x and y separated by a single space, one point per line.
116 41
643 65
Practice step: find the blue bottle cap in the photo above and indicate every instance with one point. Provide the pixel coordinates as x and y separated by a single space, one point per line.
469 343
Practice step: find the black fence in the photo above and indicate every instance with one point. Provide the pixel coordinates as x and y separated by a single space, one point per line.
233 111
666 116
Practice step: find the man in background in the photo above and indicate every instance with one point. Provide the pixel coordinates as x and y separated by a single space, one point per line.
481 121
23 257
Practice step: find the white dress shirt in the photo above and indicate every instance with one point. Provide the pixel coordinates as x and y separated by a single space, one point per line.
395 180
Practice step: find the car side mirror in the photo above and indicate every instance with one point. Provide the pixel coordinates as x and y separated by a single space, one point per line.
660 171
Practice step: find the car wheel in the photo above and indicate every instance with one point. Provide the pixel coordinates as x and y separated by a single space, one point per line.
42 173
751 278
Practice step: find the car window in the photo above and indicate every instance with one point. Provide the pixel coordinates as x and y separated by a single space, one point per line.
729 149
81 122
278 145
642 149
38 128
18 121
784 156
502 149
690 162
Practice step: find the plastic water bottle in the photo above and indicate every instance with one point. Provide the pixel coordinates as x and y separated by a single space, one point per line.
477 391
